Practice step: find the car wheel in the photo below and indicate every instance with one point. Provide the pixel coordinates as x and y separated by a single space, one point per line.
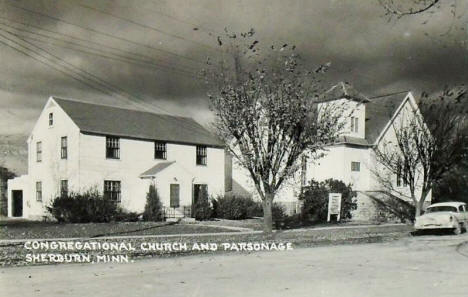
457 230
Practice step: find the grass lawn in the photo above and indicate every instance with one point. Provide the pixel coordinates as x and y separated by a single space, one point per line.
254 224
257 224
28 229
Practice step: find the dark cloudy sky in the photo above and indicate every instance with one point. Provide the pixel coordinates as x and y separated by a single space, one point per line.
148 50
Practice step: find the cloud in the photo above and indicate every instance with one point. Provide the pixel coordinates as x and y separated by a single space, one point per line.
365 49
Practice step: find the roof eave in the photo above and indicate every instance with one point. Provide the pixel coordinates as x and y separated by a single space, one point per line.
90 132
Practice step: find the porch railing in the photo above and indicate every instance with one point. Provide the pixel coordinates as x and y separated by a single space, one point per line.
178 212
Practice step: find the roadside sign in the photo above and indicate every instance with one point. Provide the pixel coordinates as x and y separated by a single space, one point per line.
334 205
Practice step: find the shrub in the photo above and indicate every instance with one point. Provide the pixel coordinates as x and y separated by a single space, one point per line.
202 209
153 207
234 207
277 212
293 221
278 215
124 216
86 207
254 208
315 198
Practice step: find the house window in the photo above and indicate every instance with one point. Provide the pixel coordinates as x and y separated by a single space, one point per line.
39 191
354 124
51 119
112 190
401 178
304 171
64 148
112 147
201 155
39 151
160 150
64 187
398 177
355 166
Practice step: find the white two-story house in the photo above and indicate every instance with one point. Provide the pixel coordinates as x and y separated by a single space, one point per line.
76 146
368 123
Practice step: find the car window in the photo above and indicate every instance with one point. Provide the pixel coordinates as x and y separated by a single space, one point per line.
461 208
441 208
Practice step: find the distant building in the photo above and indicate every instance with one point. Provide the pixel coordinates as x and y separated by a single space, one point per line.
5 174
75 146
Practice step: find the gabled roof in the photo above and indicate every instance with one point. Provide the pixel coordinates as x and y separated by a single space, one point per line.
352 140
343 90
379 112
108 120
156 169
167 167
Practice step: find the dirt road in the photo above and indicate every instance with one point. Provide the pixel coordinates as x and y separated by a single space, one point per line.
420 266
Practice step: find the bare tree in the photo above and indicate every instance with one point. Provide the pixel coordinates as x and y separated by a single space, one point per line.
408 7
452 32
268 112
429 142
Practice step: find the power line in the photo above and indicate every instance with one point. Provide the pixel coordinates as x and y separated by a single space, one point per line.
142 58
103 33
145 26
78 72
193 25
97 52
124 60
27 51
45 63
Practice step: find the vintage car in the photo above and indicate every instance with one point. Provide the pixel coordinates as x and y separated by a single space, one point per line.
445 215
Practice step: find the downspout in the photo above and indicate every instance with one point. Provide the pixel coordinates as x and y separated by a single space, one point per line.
79 160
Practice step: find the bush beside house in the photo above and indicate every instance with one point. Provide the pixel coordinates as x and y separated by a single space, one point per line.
232 207
89 206
315 200
153 207
202 209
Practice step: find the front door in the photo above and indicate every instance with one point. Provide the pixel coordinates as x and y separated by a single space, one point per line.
17 203
175 195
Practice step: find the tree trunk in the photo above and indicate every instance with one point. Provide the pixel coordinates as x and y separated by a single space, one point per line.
417 206
420 203
418 210
267 214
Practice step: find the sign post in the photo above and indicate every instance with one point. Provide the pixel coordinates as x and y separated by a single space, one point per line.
334 205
